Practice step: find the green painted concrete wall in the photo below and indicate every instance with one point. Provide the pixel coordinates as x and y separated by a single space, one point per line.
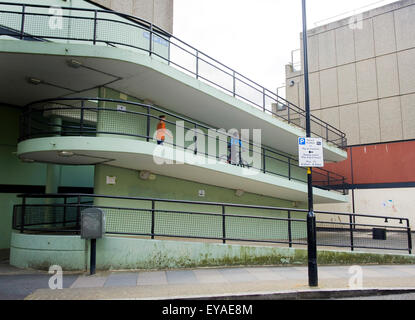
129 184
115 253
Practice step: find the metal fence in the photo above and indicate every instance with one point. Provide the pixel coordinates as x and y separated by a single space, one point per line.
223 222
113 29
79 117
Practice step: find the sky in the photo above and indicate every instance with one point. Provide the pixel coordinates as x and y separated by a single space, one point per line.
256 37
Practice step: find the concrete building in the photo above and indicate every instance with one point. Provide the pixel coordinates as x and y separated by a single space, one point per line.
159 12
362 80
82 89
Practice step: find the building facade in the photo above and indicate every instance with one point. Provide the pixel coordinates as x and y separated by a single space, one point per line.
83 89
362 81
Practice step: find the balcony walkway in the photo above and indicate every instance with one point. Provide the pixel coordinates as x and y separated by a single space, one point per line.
169 72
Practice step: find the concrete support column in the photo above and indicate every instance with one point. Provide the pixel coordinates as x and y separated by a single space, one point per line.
53 174
53 177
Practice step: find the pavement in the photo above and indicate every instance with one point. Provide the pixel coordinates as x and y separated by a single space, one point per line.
260 283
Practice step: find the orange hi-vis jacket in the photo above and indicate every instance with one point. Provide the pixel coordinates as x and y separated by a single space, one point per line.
161 131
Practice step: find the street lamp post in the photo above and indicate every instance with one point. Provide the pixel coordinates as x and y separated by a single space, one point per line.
311 219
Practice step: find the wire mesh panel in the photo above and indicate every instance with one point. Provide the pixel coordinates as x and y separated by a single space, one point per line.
48 218
333 234
256 229
10 21
213 73
121 33
127 221
391 238
188 224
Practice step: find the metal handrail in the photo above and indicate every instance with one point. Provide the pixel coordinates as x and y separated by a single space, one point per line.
22 221
199 56
28 124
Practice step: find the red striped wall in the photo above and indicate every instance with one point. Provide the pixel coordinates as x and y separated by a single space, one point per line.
378 163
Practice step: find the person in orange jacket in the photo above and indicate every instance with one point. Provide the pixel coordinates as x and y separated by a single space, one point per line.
161 130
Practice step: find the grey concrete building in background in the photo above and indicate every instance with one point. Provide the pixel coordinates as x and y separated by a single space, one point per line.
159 12
362 74
362 81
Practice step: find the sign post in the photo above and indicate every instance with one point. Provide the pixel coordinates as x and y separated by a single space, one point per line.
311 219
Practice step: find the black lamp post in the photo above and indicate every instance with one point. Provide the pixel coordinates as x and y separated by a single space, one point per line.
311 218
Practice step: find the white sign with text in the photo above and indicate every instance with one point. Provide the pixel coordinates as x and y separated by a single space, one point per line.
310 152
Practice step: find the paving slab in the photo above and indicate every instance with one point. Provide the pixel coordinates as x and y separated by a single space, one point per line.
209 276
237 275
265 274
181 277
89 282
152 278
121 280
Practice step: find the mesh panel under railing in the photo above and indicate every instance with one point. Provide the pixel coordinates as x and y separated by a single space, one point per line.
361 236
11 21
48 218
264 229
128 221
188 224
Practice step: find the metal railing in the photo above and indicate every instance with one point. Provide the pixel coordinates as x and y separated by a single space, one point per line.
224 222
26 21
79 117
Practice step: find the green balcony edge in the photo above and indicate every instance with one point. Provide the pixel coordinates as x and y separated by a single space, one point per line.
108 147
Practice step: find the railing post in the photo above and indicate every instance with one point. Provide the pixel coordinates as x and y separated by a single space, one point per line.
409 236
223 225
327 132
81 126
288 113
234 83
95 27
263 99
289 168
351 232
148 124
263 161
290 237
195 139
22 24
151 39
22 218
197 64
152 218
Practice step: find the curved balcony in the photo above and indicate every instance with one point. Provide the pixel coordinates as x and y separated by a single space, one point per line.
115 30
123 133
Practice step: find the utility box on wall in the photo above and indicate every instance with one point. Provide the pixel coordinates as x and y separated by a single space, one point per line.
92 223
379 234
